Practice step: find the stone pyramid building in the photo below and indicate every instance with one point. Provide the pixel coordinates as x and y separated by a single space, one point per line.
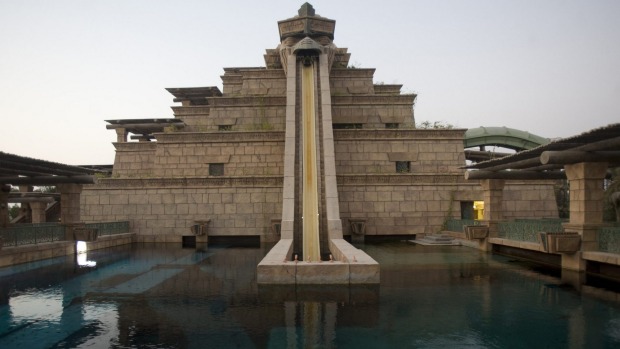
238 162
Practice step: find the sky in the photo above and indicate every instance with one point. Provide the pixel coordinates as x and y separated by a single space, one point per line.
547 67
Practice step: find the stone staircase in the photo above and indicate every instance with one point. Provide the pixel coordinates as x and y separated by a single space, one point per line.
436 240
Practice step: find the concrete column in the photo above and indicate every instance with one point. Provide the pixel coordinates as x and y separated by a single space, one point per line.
334 224
70 202
5 189
121 135
25 206
288 194
586 208
493 194
70 206
38 211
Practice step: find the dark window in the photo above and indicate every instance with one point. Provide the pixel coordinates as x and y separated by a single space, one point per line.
391 125
224 127
467 210
216 169
346 126
403 167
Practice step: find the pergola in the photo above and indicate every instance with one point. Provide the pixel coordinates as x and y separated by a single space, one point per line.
142 129
27 172
601 145
583 159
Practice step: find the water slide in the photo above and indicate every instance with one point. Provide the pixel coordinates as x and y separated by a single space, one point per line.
502 137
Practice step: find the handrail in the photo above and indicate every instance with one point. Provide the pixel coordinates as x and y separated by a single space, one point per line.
32 234
37 233
609 239
456 225
528 229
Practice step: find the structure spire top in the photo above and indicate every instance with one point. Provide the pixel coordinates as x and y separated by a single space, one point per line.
307 23
306 10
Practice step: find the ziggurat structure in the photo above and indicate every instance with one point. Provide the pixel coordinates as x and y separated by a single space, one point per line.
242 160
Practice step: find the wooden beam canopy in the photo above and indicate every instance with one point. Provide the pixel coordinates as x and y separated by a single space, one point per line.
17 170
567 157
547 161
515 175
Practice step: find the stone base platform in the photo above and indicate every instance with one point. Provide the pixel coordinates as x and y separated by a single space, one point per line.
350 266
30 253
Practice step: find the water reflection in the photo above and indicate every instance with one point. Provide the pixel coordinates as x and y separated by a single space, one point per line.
81 256
36 305
162 297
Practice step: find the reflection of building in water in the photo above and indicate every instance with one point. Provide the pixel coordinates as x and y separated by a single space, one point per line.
81 255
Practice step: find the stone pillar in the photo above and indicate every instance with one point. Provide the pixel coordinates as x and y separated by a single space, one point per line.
586 208
69 206
334 224
25 206
38 211
288 193
5 189
121 135
493 194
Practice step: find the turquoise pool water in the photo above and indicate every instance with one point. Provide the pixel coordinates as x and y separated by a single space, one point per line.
154 296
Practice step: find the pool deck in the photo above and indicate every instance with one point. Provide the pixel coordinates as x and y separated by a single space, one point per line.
30 253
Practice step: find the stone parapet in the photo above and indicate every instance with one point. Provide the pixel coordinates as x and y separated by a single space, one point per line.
204 182
385 100
399 179
220 137
400 134
30 253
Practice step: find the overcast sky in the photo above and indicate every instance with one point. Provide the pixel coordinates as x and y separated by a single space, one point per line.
548 67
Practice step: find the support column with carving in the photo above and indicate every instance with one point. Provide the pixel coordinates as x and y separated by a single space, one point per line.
586 208
70 207
493 194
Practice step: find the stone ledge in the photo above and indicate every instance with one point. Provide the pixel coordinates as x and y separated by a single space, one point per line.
111 241
401 179
220 137
398 134
30 253
602 257
519 244
186 182
351 266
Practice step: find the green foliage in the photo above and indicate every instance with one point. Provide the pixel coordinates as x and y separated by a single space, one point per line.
428 125
46 189
171 129
610 211
562 198
448 215
355 65
14 211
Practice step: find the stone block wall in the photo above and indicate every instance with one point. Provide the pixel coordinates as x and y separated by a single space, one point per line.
351 82
250 113
168 208
195 117
397 209
241 153
532 199
373 111
377 151
134 159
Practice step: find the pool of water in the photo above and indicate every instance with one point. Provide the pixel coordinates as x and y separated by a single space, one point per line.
162 296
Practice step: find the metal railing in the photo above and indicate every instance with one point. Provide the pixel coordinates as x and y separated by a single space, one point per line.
31 234
609 239
110 228
528 229
38 233
453 224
